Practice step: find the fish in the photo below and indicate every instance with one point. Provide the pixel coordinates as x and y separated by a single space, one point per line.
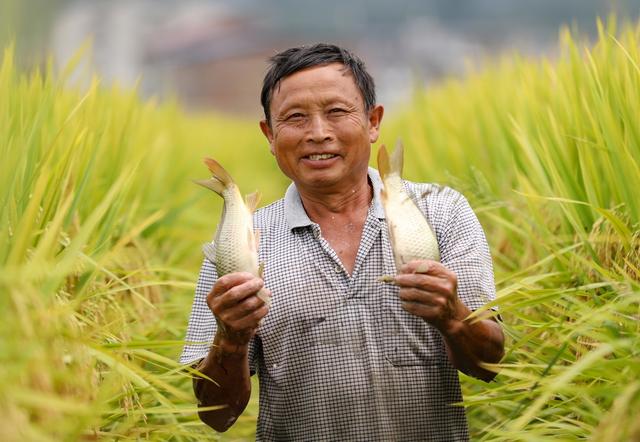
235 246
411 235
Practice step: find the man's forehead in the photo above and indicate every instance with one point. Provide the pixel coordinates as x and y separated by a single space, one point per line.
313 69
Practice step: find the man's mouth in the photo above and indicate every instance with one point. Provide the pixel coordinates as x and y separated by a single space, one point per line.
320 156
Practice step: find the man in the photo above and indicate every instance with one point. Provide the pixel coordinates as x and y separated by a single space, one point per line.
339 355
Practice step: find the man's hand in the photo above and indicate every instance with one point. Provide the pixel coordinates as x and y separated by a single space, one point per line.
236 307
430 291
238 313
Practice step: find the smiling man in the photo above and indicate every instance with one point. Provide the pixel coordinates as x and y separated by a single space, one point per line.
340 356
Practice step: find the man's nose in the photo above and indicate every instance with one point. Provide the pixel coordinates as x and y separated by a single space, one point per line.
319 129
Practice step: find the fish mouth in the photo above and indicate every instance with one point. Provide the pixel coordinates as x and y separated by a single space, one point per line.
320 156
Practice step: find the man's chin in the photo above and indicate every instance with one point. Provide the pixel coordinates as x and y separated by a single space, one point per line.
328 180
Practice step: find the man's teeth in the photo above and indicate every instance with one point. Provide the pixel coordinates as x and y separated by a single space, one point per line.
323 156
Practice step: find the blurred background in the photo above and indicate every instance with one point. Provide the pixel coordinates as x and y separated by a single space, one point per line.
210 54
101 227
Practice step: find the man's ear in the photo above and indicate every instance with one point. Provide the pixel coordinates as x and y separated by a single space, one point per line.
268 133
375 118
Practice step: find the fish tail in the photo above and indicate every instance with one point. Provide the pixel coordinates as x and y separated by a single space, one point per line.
220 179
390 165
397 159
383 161
213 184
218 171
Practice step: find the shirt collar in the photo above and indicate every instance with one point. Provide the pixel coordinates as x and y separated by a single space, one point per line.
296 216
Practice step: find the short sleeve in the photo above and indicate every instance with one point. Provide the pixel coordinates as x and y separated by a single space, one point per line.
202 324
465 251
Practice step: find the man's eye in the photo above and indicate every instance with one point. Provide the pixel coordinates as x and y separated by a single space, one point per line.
337 110
295 116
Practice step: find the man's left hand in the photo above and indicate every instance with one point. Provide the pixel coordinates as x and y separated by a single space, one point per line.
429 290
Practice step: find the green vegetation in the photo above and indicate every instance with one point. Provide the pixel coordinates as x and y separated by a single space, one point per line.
549 154
100 231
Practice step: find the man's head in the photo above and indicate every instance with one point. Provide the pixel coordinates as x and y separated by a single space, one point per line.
292 60
321 117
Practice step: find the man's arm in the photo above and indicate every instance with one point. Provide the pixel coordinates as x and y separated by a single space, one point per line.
238 313
429 290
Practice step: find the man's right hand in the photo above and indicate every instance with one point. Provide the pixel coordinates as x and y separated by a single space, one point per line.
236 308
238 312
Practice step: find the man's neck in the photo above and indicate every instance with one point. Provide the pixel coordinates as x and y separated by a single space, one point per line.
345 203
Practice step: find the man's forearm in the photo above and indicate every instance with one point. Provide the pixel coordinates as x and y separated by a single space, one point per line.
470 344
226 364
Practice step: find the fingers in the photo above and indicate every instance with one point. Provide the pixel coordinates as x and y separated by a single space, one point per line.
426 267
435 308
234 301
231 280
431 299
429 313
428 290
229 292
429 276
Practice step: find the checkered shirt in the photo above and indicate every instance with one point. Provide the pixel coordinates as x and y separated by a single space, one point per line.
337 357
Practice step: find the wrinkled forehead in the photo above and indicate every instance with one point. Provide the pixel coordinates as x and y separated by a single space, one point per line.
318 78
301 71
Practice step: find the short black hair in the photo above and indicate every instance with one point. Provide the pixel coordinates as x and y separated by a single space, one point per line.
296 59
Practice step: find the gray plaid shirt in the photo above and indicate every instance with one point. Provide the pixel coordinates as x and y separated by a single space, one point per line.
337 357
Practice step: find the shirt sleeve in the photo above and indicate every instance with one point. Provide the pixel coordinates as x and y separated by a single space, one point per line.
465 251
202 324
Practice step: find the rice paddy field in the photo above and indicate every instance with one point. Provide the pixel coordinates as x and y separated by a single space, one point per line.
101 227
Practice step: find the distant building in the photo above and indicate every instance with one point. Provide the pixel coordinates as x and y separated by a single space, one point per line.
201 53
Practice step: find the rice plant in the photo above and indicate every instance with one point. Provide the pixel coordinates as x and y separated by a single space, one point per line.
549 153
100 233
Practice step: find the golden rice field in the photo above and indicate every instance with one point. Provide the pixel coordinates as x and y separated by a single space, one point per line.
100 233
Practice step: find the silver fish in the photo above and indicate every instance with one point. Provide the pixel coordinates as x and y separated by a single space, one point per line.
235 247
411 235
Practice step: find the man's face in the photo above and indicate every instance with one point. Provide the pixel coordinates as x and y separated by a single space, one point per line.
320 133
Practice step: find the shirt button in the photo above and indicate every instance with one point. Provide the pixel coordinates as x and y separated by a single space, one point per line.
338 269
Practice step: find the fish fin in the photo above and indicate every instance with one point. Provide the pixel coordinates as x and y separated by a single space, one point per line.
261 270
209 251
252 200
262 295
212 184
397 159
383 161
387 279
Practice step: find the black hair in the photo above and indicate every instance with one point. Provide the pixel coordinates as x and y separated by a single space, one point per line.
296 59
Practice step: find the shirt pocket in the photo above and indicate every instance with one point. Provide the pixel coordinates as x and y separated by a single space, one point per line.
408 339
